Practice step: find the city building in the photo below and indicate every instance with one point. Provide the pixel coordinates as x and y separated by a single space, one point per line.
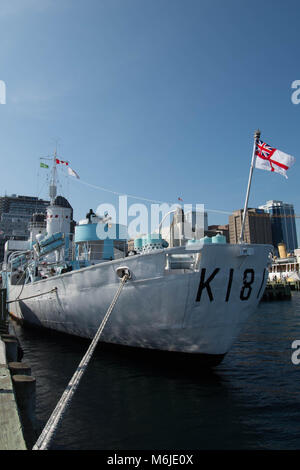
185 226
215 229
21 205
15 215
21 214
257 226
283 224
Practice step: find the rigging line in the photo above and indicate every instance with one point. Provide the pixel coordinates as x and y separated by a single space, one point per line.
143 198
119 194
42 187
23 275
14 286
37 188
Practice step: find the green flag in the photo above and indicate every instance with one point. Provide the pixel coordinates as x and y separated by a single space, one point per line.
43 165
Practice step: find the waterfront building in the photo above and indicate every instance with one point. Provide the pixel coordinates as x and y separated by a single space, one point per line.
282 223
257 226
190 225
15 215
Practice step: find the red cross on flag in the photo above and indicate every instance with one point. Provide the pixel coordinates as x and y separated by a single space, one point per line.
270 159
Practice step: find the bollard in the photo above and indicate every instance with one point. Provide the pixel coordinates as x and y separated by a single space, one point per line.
25 392
3 308
11 348
19 352
19 368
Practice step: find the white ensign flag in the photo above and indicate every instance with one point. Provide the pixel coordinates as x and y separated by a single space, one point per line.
270 159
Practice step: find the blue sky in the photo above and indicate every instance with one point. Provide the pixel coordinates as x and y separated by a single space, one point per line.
154 98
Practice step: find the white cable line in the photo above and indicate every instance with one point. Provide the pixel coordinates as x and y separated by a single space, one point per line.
139 197
142 198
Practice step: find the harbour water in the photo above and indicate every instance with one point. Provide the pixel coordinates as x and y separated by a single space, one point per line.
127 402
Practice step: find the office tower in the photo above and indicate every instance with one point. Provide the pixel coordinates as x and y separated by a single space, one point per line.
283 224
15 215
257 226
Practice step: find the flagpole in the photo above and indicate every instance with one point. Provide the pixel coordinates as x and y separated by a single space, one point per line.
256 138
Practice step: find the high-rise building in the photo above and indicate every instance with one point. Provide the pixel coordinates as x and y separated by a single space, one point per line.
283 224
15 215
22 205
257 226
192 224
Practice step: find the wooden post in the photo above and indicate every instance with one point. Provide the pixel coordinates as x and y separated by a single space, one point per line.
19 368
19 349
11 347
3 312
25 392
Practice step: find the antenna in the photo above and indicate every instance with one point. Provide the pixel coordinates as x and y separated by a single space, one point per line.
53 186
54 176
53 179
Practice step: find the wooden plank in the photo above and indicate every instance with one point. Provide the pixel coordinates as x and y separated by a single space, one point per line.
2 354
11 434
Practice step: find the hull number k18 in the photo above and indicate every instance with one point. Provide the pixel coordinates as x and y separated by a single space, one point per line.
246 288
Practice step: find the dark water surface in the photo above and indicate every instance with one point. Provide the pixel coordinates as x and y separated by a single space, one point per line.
125 402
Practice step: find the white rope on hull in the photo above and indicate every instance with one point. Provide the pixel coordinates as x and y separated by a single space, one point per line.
49 430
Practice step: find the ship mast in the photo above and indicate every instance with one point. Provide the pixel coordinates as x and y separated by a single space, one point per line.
53 179
53 185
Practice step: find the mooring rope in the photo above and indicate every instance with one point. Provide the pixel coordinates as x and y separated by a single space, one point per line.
49 430
32 296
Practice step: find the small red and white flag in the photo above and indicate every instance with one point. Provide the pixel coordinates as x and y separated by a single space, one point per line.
57 161
72 172
179 199
271 159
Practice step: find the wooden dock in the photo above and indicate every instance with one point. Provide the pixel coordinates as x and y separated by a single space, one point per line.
277 291
17 390
294 285
11 433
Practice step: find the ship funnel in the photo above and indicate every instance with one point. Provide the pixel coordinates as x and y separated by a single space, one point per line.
282 250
